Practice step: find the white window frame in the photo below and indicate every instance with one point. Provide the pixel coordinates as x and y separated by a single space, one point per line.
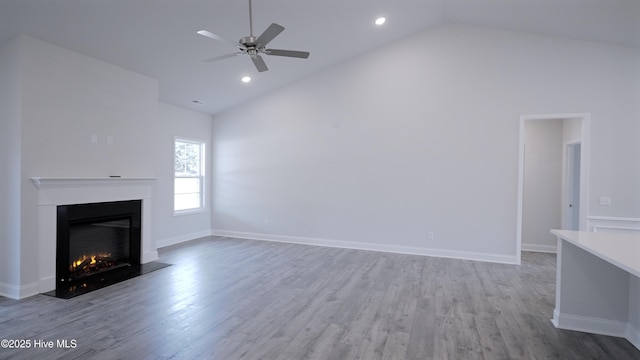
201 176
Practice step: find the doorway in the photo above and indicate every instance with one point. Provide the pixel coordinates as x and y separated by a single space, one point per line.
573 155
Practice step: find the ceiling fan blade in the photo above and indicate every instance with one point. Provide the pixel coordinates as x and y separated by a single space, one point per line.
289 53
272 31
216 58
213 36
259 63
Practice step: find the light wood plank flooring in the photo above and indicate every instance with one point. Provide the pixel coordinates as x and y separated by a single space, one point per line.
240 299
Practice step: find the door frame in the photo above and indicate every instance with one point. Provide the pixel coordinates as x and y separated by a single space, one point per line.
585 123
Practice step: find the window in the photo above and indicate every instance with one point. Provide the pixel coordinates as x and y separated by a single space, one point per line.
188 175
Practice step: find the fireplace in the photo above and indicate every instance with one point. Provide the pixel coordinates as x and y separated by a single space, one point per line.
98 244
53 192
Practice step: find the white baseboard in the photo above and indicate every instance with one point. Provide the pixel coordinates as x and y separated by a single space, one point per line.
540 248
597 326
149 256
590 325
46 283
182 238
633 335
18 292
464 255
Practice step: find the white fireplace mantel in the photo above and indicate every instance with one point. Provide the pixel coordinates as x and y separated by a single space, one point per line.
52 182
54 191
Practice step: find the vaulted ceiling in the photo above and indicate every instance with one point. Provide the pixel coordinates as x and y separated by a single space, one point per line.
157 38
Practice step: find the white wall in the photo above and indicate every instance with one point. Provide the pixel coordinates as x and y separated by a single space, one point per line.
10 106
571 131
65 98
177 122
542 194
421 136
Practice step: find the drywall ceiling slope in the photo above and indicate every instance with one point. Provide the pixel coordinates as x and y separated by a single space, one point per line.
157 38
611 21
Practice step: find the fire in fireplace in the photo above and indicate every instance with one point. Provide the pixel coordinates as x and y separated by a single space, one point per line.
98 244
90 265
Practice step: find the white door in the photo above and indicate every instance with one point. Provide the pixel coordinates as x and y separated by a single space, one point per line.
573 183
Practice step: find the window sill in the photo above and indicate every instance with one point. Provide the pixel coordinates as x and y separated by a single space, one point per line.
189 212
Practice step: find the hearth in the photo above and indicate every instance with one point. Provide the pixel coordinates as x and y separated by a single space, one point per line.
98 244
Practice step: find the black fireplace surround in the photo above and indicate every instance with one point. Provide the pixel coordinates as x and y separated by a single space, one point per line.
98 244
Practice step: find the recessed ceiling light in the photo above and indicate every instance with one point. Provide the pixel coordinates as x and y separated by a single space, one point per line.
246 79
379 21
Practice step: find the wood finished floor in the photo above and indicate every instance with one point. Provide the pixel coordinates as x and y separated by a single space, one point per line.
240 299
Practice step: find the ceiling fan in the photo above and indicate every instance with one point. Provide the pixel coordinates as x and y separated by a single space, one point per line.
255 46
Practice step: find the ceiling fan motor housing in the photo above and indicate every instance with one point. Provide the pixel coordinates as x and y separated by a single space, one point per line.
248 41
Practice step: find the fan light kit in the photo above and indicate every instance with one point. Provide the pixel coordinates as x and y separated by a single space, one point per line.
255 46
